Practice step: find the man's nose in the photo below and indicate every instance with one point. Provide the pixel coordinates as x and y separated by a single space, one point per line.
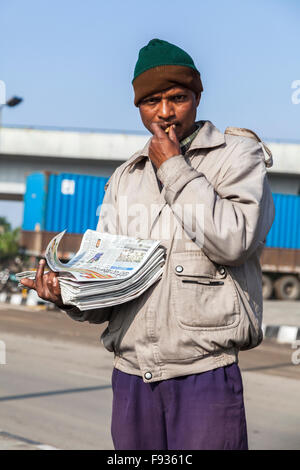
166 110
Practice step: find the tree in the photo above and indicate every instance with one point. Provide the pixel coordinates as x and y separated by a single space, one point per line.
4 225
9 240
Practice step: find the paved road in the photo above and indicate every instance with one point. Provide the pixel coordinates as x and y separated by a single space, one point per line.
55 388
278 312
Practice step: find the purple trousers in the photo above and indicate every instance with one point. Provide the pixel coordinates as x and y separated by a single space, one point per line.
201 411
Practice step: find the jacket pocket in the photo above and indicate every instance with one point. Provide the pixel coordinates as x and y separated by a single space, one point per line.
203 294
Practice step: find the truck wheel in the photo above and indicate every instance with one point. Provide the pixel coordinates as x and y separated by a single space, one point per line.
267 287
287 288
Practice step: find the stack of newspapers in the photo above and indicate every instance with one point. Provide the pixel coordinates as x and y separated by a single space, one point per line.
107 270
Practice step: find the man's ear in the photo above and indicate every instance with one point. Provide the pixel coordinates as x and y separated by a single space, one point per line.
198 96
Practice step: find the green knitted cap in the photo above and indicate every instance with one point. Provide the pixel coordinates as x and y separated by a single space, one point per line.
159 52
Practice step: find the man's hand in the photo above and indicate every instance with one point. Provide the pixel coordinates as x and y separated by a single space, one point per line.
163 146
46 285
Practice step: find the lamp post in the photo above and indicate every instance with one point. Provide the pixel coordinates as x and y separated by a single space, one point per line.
13 101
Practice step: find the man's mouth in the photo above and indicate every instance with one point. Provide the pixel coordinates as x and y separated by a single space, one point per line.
167 127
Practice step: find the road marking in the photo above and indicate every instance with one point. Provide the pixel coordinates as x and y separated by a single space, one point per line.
91 388
8 441
287 334
46 447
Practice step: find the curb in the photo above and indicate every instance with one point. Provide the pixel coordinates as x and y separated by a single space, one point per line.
282 333
31 299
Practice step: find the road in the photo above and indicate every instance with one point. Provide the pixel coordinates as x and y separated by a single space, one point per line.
55 387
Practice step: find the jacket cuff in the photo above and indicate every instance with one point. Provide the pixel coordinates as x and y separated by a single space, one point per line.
73 312
174 174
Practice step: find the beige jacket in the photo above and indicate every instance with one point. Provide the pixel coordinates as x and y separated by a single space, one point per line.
212 216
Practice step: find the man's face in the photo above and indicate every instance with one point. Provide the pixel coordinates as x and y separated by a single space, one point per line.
177 105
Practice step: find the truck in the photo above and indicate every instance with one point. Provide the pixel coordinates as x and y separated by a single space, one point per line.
280 259
55 202
280 273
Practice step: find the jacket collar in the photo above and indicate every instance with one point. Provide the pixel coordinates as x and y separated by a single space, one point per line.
208 137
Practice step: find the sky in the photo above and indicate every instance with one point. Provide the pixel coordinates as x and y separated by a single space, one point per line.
73 61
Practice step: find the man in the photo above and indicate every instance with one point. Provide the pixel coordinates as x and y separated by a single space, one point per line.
176 382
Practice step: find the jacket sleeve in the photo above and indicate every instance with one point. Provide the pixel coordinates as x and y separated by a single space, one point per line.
98 315
107 223
236 215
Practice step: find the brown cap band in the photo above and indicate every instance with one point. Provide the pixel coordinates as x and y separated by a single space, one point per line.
162 77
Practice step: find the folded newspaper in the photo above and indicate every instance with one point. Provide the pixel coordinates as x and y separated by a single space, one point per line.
107 270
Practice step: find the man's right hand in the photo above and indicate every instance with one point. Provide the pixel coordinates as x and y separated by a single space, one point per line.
46 285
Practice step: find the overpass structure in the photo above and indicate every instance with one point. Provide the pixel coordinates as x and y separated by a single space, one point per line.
27 150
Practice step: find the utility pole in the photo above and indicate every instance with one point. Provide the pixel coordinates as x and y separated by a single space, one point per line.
14 101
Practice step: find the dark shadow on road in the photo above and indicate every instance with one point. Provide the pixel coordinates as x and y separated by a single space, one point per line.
54 392
8 435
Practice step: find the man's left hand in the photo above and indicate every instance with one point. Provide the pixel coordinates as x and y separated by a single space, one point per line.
163 146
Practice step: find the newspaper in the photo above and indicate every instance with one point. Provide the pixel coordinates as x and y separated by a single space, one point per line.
107 270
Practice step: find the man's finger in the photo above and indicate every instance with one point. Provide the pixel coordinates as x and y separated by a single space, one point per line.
158 131
51 286
48 282
56 286
39 276
172 135
28 283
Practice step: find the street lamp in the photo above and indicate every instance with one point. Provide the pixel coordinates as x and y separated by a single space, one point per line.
13 101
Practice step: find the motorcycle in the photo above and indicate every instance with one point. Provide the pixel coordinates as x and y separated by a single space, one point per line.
8 282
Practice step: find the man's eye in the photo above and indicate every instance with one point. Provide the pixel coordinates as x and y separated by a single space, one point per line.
179 98
152 101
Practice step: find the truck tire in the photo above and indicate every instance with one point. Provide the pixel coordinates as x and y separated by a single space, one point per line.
267 287
287 288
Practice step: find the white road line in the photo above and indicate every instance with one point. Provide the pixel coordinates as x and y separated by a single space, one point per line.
8 441
46 447
287 334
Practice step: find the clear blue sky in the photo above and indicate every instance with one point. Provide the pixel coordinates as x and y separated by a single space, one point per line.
72 61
